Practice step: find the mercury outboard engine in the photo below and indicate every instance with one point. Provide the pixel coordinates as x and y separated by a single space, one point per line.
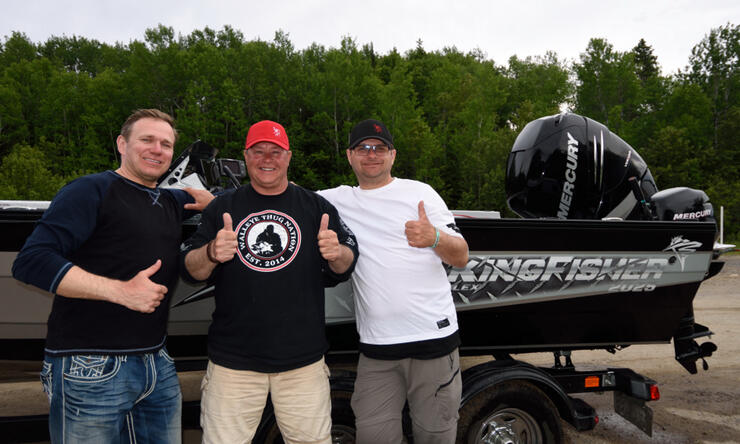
682 203
571 167
568 166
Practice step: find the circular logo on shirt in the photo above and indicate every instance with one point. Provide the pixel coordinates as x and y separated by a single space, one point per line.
268 240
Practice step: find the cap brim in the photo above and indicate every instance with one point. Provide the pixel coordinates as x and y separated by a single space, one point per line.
276 142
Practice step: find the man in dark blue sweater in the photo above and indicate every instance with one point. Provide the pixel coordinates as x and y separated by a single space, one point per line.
107 248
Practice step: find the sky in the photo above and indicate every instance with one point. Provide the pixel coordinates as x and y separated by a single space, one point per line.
499 29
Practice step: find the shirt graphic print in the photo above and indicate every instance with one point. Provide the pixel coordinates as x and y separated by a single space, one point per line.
268 240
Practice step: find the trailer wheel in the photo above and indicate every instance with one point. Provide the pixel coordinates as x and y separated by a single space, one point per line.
512 412
342 422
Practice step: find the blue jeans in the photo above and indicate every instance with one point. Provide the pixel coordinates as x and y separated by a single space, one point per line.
113 399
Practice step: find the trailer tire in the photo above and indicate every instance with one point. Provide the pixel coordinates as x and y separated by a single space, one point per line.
342 422
521 412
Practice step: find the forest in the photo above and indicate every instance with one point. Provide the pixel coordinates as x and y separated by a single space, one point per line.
454 115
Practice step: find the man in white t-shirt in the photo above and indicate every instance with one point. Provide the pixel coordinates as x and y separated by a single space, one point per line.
405 313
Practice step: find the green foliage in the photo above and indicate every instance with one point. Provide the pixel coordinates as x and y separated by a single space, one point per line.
608 87
24 174
537 88
646 63
454 115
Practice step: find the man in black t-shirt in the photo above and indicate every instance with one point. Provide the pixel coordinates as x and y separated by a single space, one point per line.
268 246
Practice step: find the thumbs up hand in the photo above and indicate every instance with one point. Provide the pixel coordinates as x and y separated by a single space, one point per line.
140 293
223 247
328 240
421 233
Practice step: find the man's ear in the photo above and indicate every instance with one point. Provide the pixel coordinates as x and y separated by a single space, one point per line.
121 144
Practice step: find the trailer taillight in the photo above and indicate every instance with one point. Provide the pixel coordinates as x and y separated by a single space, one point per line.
654 392
591 382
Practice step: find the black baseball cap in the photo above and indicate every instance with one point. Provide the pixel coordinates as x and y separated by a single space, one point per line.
369 129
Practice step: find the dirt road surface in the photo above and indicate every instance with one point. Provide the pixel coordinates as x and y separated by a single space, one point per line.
701 408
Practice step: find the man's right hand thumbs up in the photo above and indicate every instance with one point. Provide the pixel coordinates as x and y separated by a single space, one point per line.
223 247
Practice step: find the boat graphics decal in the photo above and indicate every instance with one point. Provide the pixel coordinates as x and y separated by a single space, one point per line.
570 178
694 215
680 245
505 279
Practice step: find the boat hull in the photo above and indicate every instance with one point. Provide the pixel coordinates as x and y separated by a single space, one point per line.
530 285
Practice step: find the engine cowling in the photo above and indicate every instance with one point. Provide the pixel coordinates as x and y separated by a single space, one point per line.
682 203
568 166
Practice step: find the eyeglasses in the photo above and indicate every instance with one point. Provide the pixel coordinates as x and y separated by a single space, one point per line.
364 150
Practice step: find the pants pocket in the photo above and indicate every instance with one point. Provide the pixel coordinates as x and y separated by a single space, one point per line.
92 368
206 378
46 381
164 354
449 391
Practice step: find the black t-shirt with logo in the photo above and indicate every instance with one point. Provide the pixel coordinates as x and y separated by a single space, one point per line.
269 314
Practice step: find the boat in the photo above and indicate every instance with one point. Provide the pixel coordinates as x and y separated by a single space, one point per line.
600 258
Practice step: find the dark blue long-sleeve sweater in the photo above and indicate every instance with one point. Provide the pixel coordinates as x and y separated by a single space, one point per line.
112 227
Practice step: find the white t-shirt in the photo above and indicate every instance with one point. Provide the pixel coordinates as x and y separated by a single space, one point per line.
401 292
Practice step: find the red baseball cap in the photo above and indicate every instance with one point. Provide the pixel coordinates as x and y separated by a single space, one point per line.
267 131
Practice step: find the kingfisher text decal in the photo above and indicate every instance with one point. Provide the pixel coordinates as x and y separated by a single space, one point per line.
502 278
496 277
268 240
570 178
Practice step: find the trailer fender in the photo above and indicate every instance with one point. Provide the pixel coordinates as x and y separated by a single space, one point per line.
484 376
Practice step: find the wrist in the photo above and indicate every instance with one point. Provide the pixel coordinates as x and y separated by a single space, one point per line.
114 290
436 238
209 254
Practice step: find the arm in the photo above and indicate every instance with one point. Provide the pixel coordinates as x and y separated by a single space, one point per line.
422 234
338 256
452 250
344 261
347 251
67 224
139 293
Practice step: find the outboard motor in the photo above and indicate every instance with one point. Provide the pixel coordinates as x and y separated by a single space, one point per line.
568 166
571 167
682 203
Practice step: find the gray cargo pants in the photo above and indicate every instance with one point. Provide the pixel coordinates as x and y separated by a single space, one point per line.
433 388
